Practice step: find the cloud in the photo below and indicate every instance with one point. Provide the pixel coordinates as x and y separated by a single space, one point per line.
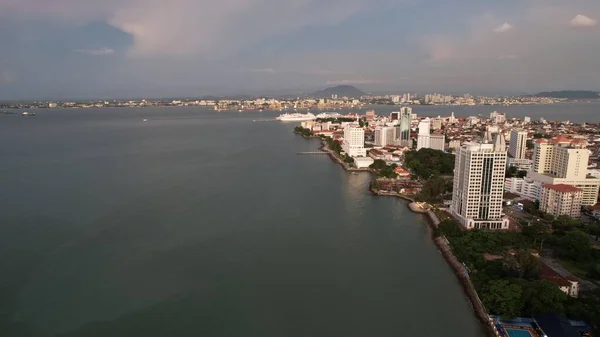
508 57
193 27
355 81
582 21
503 28
95 52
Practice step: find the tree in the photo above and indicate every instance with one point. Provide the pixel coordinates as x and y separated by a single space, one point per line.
576 246
521 174
594 230
378 164
537 232
503 298
511 172
432 189
349 159
529 144
543 297
523 264
448 228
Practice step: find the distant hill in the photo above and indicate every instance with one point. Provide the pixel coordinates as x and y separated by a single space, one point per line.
340 91
569 94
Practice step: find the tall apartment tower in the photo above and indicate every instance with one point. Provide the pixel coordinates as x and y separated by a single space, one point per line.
479 171
403 132
518 143
423 140
385 135
564 161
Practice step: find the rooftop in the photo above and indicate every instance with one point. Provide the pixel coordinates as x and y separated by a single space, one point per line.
562 188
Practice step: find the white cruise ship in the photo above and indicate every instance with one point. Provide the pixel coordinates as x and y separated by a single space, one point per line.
293 117
329 115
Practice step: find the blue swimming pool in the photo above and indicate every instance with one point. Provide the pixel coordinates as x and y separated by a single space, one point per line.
517 333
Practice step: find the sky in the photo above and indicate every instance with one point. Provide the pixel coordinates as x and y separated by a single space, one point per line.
58 49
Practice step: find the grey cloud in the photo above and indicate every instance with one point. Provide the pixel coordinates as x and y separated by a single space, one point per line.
188 27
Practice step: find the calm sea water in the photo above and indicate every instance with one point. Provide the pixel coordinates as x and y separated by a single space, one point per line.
197 223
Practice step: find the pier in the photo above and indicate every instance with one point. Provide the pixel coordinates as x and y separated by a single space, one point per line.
312 153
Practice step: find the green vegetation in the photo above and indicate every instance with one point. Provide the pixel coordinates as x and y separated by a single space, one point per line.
508 282
513 172
434 189
303 131
427 163
333 145
348 159
384 170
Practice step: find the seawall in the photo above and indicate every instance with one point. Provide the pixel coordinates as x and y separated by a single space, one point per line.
462 274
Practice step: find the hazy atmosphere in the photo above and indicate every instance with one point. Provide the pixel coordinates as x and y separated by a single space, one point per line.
118 48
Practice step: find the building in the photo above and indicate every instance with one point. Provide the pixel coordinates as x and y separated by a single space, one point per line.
363 162
385 135
370 115
437 142
514 185
403 132
424 134
521 164
566 285
394 116
436 123
518 144
477 197
454 144
354 141
564 161
561 199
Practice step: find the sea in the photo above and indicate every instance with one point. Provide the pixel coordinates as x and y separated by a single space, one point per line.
204 223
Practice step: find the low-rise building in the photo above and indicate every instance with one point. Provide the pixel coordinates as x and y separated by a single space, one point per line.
363 162
566 285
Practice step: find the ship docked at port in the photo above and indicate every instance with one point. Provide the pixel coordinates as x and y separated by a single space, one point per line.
296 117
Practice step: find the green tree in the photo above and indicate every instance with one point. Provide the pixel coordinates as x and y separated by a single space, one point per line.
521 174
503 298
378 164
543 297
576 246
523 264
432 189
448 228
594 230
537 232
511 172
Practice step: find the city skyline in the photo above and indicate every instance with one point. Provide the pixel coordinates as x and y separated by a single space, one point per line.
130 48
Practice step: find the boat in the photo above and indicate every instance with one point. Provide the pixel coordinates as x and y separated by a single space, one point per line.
293 117
329 115
28 113
144 120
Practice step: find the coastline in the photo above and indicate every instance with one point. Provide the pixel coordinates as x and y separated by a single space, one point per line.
441 243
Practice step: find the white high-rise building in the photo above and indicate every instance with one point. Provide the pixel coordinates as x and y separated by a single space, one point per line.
564 161
354 141
424 134
518 143
385 135
477 197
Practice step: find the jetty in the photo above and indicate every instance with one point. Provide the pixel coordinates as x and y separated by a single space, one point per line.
312 153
